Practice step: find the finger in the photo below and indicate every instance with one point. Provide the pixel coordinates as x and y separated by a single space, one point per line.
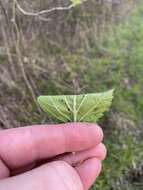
98 152
4 171
22 146
88 171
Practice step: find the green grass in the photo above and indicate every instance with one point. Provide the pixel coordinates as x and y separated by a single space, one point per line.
126 58
124 152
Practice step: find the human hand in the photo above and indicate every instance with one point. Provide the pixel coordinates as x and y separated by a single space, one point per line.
41 157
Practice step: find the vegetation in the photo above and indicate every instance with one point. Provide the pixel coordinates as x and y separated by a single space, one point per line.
102 48
76 108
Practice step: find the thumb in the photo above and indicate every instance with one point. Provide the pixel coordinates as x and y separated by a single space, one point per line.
50 176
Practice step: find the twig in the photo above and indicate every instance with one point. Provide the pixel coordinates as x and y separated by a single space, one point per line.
46 11
19 56
3 119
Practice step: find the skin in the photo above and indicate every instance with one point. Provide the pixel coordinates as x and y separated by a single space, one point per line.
41 157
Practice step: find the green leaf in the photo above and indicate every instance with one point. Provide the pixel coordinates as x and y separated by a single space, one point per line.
77 108
76 2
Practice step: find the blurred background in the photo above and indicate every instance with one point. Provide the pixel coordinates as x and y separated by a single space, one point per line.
95 46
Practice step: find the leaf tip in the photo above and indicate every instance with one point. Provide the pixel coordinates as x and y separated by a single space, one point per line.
38 99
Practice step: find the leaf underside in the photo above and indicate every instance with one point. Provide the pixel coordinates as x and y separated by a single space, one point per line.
76 2
76 108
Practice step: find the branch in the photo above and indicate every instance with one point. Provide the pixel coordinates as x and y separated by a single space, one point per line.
43 11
